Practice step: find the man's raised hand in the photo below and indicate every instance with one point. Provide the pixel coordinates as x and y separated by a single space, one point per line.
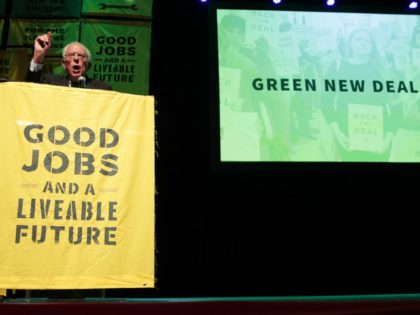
41 46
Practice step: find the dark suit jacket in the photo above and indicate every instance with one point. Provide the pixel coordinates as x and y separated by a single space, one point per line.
54 79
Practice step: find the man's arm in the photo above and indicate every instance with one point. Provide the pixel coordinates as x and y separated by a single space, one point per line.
34 72
41 45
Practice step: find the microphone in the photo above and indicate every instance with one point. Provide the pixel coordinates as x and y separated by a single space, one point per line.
82 81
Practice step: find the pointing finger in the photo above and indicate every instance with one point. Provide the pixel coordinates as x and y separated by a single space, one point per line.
44 40
48 38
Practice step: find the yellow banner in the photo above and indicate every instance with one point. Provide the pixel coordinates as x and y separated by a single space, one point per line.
76 188
3 292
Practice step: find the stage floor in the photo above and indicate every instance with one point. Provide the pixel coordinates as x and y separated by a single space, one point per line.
349 305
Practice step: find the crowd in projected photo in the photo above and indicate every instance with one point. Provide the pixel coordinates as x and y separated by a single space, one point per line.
311 86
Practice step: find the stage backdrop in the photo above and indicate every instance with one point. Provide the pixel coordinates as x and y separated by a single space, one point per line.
23 33
132 8
54 65
46 8
1 29
13 64
2 7
120 53
77 188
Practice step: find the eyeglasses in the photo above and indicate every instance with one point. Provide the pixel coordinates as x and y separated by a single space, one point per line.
73 55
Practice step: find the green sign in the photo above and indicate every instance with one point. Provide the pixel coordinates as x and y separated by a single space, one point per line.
139 8
1 29
14 64
120 53
46 8
54 65
2 7
22 33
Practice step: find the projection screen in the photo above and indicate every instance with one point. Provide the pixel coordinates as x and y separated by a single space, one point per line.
318 86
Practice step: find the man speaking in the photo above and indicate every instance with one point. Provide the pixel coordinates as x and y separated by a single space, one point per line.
76 58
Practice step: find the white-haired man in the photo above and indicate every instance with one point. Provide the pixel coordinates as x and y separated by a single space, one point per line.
76 58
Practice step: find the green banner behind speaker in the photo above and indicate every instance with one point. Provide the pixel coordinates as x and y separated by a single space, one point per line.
1 29
120 53
54 65
14 64
46 8
2 8
23 33
139 8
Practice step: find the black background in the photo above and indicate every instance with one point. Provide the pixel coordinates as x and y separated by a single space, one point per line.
265 229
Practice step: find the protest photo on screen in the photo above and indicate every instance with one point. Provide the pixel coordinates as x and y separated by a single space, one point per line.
318 86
